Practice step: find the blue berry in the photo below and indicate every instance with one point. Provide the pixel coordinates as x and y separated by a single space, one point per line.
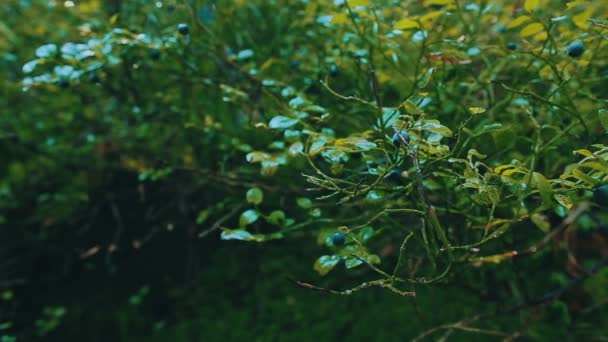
155 54
600 195
338 238
397 141
511 45
333 70
575 49
183 29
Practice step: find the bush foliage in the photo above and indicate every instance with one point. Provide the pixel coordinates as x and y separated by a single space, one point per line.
371 169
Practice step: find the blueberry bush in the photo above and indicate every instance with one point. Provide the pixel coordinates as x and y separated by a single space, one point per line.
291 170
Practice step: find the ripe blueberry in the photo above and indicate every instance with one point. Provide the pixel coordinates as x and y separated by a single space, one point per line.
333 70
600 195
511 45
63 83
183 29
154 54
338 238
575 49
397 141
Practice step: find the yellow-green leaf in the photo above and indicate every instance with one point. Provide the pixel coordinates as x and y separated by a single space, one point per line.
583 152
477 110
581 20
339 18
429 3
411 108
563 200
531 29
354 3
574 3
518 21
541 222
543 186
580 175
530 5
406 24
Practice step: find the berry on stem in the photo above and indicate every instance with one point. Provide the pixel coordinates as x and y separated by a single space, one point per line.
575 49
397 138
600 195
338 238
183 29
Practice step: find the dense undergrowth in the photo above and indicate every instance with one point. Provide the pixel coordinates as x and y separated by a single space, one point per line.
298 170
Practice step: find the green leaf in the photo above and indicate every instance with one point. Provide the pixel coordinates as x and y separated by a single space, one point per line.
243 235
476 110
248 217
366 233
46 51
29 66
530 5
296 148
358 142
326 263
543 186
276 217
434 126
406 24
282 122
518 21
411 108
317 145
256 156
541 222
237 234
352 262
531 30
304 202
580 175
563 200
255 196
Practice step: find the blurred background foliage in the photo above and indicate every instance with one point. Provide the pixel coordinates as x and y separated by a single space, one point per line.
297 170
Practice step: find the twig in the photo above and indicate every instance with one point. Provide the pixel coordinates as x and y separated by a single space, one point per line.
548 297
217 225
570 219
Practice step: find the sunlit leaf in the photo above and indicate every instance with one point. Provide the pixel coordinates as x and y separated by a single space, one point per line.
530 5
518 21
256 157
411 108
282 122
237 234
582 20
477 110
357 142
406 24
340 18
531 29
326 263
563 200
248 217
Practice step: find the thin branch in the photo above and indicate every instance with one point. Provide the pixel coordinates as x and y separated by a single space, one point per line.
218 224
